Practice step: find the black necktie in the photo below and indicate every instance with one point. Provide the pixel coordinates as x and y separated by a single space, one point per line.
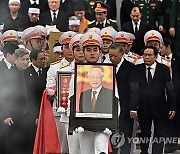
149 75
39 72
136 27
54 18
103 58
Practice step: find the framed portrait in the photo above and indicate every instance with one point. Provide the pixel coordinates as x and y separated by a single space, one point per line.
94 105
63 89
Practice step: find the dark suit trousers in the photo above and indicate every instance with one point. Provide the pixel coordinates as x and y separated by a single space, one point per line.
126 126
160 130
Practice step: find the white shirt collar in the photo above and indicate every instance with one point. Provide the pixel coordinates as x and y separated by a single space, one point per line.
170 56
53 12
8 64
32 2
153 66
36 68
119 65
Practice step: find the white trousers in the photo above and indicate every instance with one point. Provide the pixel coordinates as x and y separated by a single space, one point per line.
93 142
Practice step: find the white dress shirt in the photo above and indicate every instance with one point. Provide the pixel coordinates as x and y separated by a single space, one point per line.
52 14
36 1
97 92
152 70
134 25
8 64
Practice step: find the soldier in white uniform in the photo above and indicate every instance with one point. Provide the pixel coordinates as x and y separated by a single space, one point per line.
33 38
91 142
65 65
107 34
155 39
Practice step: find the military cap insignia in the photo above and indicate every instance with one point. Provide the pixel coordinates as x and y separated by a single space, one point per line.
70 35
98 4
122 35
11 34
105 33
90 37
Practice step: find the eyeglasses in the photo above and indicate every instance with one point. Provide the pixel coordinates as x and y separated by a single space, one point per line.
149 55
41 59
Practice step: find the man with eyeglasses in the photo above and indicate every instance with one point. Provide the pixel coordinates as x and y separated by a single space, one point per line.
37 77
157 102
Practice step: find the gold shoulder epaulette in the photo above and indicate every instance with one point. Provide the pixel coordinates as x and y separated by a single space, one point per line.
65 65
90 22
112 20
55 62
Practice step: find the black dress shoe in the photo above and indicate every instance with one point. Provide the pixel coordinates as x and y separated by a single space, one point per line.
169 150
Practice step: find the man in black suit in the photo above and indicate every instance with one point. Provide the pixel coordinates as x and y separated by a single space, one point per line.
173 62
9 60
97 99
128 93
17 110
5 64
157 100
101 21
55 16
37 77
138 28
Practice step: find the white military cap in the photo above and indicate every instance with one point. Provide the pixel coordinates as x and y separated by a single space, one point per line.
75 40
153 35
42 29
50 29
57 48
11 1
1 26
66 37
131 37
90 38
34 10
9 35
121 37
31 33
94 29
106 33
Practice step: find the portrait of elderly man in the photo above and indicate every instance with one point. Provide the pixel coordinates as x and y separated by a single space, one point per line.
98 99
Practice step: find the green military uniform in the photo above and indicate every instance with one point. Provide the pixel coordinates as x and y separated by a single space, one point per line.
108 23
151 12
175 23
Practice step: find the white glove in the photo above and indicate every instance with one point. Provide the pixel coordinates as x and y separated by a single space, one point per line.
51 92
107 131
79 130
61 110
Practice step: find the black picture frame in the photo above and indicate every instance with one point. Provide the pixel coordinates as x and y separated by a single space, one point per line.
63 88
98 122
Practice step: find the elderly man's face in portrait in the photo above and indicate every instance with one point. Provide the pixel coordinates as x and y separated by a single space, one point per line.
95 78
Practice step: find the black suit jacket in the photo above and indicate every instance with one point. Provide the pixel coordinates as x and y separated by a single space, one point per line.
3 66
152 100
61 22
138 43
38 85
127 89
103 103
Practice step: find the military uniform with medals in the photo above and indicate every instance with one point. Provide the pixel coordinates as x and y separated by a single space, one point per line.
151 12
100 7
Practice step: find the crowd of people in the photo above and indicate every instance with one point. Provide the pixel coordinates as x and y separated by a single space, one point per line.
144 49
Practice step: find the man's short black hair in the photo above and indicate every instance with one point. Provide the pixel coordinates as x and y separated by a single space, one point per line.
9 48
34 54
150 47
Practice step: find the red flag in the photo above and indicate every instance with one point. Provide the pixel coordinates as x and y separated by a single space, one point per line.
47 141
